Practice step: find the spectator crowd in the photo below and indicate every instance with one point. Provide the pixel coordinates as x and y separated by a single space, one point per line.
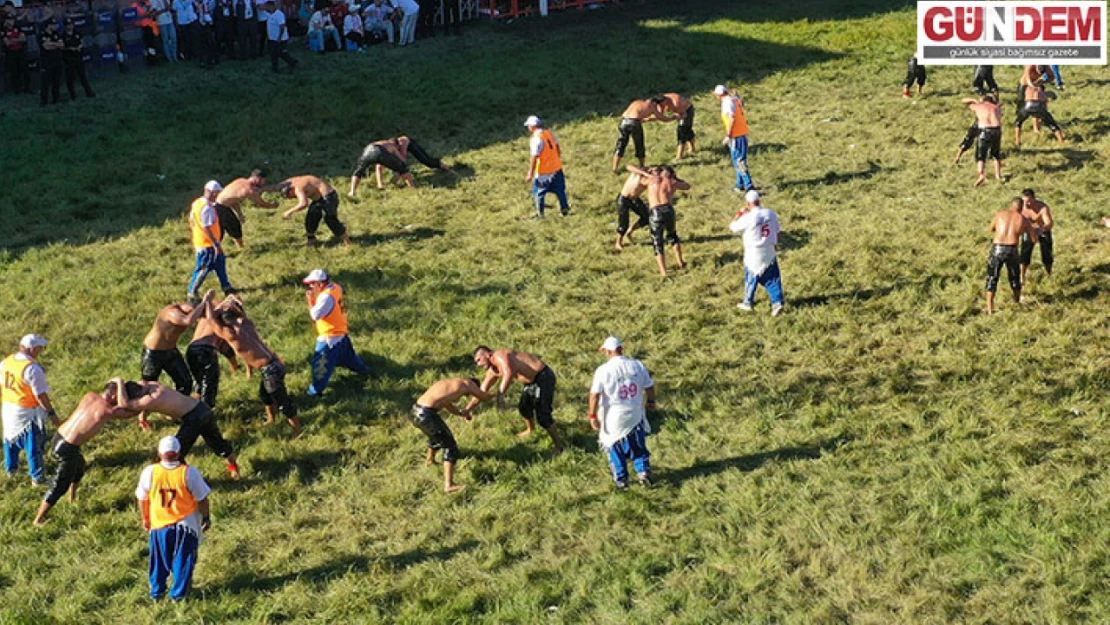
56 41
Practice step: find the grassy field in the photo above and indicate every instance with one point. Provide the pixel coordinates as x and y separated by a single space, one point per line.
883 453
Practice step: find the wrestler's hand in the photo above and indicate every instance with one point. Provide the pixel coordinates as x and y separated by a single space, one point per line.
146 524
286 215
595 425
145 425
528 178
465 414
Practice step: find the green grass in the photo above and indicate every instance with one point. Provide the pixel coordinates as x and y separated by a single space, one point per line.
884 453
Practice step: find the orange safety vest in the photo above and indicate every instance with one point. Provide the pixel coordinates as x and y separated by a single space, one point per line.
16 389
335 322
738 126
200 238
550 161
170 499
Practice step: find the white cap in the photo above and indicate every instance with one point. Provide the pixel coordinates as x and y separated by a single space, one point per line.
212 185
752 196
168 445
720 90
32 341
612 344
316 275
533 121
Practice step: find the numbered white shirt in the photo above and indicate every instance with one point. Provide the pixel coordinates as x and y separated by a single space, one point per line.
760 228
621 383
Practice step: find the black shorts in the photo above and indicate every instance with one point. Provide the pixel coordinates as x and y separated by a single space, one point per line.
1038 110
685 131
229 222
915 73
984 79
377 155
204 364
418 152
155 361
326 209
1045 239
537 399
634 129
970 137
272 391
1003 255
662 221
626 205
428 421
71 468
989 144
201 422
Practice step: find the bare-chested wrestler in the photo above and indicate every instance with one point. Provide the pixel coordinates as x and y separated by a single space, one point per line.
661 189
1032 75
195 417
203 354
160 351
1036 106
629 201
229 203
425 416
322 201
537 397
1008 227
392 153
988 114
683 109
1040 216
233 326
95 410
632 126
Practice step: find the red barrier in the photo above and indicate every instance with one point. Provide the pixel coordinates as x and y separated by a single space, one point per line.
506 9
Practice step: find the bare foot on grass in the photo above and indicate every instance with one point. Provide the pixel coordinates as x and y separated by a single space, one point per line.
454 488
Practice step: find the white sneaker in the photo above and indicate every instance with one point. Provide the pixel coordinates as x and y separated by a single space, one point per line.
776 310
744 306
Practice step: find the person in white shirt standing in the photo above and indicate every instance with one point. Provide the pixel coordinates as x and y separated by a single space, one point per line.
162 9
410 9
187 28
618 391
760 228
26 405
277 34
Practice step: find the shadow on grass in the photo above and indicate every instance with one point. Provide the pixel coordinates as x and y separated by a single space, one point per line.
833 178
247 582
1073 159
307 466
128 458
400 234
758 149
862 295
751 462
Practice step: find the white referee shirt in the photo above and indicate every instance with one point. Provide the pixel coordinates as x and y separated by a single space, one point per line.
621 383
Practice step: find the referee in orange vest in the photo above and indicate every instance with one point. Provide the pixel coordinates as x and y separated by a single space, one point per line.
204 223
26 406
333 345
173 499
736 132
545 170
